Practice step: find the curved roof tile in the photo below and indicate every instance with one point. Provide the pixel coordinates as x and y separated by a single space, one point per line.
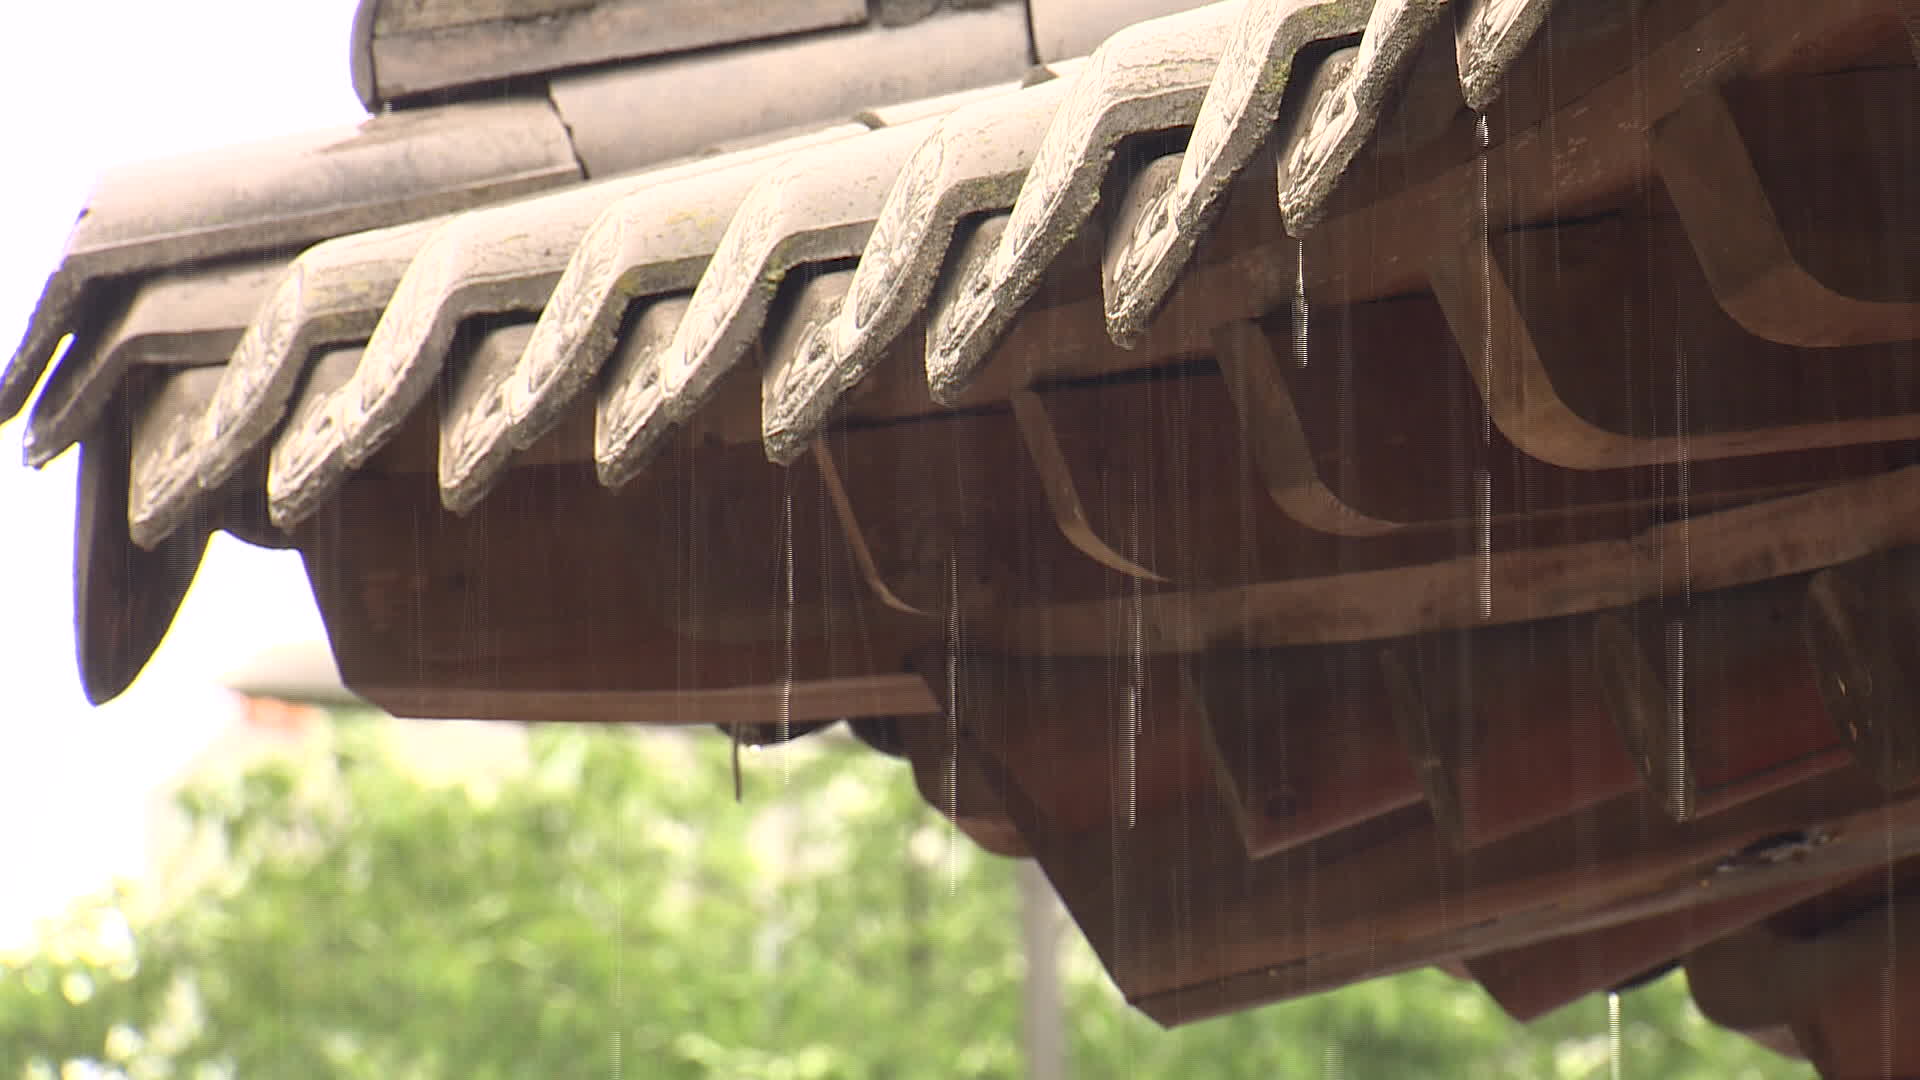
332 294
407 47
632 396
504 258
656 239
815 207
1335 124
163 460
1489 35
974 161
948 213
1244 101
298 190
179 317
1236 117
1148 77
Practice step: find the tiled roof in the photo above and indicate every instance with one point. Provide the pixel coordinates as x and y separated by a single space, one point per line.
403 48
647 287
283 193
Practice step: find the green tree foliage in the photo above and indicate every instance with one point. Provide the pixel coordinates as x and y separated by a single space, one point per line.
611 912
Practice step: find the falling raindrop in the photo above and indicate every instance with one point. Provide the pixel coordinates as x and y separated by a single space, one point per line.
1485 137
619 962
1613 1035
1136 684
1484 541
1677 718
1683 473
1888 971
1484 493
950 782
788 671
733 758
1301 313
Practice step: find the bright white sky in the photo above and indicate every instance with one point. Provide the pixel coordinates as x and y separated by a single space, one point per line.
95 84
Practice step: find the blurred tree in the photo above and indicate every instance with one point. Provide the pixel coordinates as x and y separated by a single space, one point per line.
611 912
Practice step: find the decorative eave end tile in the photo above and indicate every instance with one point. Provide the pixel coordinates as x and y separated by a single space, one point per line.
654 241
1149 77
1489 35
1140 218
626 430
794 397
974 161
333 432
163 490
471 431
1255 69
333 294
503 259
308 460
1336 123
815 207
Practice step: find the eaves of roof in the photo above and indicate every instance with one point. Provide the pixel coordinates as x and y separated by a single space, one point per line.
642 290
282 193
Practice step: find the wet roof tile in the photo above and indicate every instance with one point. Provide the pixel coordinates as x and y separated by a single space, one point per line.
945 212
179 317
504 258
403 48
657 239
974 161
1149 77
816 207
717 97
285 192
